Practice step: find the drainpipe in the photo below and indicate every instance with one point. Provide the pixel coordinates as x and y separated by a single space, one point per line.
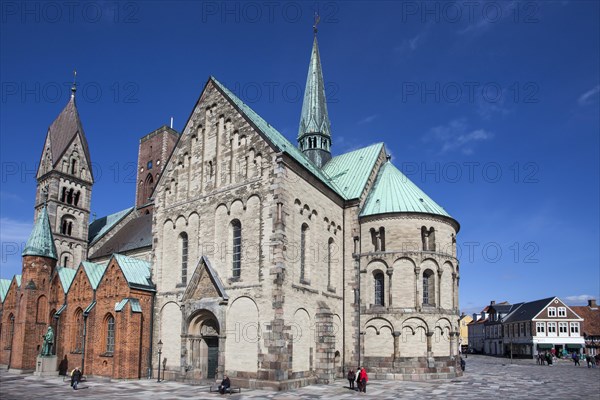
359 296
343 294
150 369
85 317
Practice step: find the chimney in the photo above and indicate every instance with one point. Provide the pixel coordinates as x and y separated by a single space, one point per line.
493 302
475 317
592 304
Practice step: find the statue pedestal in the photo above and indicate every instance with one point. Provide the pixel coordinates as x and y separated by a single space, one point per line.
46 366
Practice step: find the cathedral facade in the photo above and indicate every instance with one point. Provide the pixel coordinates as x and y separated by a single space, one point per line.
277 264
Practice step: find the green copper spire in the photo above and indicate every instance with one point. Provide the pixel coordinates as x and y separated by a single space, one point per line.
41 241
314 135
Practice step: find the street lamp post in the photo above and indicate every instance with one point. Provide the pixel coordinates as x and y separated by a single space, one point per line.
159 345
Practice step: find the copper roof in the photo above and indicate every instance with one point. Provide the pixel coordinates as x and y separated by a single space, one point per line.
64 130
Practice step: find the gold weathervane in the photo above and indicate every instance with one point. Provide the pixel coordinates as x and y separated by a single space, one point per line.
317 20
74 87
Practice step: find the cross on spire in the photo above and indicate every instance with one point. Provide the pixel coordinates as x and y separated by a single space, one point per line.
74 87
317 20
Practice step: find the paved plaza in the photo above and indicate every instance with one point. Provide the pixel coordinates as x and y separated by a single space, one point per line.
485 378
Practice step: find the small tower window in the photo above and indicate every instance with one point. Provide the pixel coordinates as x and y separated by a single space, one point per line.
237 248
378 238
428 238
303 233
379 288
428 288
149 165
183 238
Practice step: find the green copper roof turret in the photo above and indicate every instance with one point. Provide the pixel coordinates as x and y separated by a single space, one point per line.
41 241
393 192
314 134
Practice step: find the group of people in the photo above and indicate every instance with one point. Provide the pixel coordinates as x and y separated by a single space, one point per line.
548 358
590 361
543 358
360 377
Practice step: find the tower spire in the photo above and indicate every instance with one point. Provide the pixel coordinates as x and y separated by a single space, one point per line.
314 134
41 240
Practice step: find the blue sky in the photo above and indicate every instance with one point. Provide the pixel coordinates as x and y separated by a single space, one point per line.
491 107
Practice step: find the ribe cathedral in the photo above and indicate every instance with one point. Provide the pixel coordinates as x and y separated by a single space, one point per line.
280 265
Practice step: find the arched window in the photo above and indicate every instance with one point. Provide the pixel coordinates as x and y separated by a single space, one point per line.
70 196
78 331
236 228
66 225
428 288
428 238
148 185
73 166
110 334
329 261
42 310
183 245
63 194
378 238
379 288
76 197
11 331
303 234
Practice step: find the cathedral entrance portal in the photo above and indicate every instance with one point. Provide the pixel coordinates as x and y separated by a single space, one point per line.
203 344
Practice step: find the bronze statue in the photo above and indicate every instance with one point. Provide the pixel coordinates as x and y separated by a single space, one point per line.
48 342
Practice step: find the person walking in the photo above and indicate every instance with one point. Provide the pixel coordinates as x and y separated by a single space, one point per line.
575 357
358 370
364 378
75 377
351 378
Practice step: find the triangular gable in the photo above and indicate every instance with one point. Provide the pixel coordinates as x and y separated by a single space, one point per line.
94 272
136 272
560 304
205 283
66 277
268 133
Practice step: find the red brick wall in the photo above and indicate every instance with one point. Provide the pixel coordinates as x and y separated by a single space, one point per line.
132 330
155 147
9 307
32 315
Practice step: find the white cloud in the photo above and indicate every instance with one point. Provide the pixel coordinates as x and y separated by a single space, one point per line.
578 299
368 119
456 136
14 231
494 14
413 43
584 99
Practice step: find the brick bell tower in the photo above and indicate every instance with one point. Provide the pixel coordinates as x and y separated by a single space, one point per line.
65 174
33 315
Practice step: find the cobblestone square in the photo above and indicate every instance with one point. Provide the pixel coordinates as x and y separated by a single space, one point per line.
485 378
